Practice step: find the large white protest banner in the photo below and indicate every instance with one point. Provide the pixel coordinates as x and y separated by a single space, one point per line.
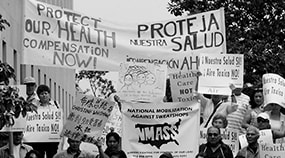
273 89
45 125
230 137
219 71
149 129
55 36
87 118
272 150
142 82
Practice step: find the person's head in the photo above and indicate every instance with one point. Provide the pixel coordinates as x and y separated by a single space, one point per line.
43 92
252 134
113 140
33 154
166 155
31 85
74 145
256 99
220 121
213 136
17 137
216 98
263 121
272 107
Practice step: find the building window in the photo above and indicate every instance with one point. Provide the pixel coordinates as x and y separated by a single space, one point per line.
45 79
54 85
39 76
15 58
4 51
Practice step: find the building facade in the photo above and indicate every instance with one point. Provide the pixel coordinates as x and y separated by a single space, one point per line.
60 80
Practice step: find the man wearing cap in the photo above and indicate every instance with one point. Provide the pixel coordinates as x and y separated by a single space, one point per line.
31 86
263 122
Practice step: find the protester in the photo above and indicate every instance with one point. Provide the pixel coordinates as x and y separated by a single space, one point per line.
256 102
33 154
19 149
213 106
235 118
166 155
73 151
4 138
214 147
113 146
252 150
220 121
263 121
45 148
31 86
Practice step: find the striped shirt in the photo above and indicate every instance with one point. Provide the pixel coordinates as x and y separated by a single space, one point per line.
235 119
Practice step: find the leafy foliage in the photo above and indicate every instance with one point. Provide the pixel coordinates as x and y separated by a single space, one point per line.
254 28
3 22
101 87
11 104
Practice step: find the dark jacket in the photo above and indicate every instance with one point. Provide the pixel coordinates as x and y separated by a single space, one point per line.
223 151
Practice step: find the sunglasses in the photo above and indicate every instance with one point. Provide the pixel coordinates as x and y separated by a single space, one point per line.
213 134
259 119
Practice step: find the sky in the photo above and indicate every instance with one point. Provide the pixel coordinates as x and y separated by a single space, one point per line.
131 11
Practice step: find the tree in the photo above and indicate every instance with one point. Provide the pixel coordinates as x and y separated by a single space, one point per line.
101 87
254 28
3 22
11 104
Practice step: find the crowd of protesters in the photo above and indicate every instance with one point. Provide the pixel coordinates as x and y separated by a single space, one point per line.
245 113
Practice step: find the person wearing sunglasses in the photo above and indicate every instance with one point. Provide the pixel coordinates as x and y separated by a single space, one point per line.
252 150
264 122
215 147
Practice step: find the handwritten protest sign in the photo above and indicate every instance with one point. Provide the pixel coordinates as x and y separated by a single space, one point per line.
219 71
183 85
19 122
142 82
230 137
273 89
44 126
60 37
150 129
272 150
87 118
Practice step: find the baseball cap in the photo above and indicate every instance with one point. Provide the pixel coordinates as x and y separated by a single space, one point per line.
29 80
264 115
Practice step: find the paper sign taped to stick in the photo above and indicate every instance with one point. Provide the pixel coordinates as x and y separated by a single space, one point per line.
219 71
87 118
273 89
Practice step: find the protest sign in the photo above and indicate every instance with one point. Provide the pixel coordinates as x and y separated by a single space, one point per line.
44 125
59 37
271 150
142 82
149 129
19 121
183 85
219 71
230 137
87 118
273 89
